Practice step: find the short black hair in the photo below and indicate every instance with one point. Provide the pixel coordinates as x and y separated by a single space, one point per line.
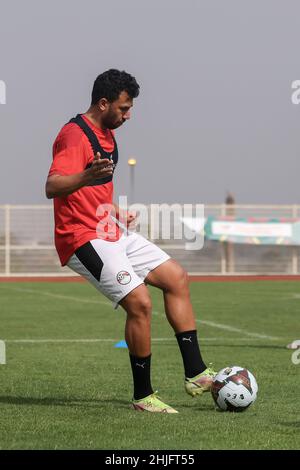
111 83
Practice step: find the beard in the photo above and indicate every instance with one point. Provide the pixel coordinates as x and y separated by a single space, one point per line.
116 125
110 122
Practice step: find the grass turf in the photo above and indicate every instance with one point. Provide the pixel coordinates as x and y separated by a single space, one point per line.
75 395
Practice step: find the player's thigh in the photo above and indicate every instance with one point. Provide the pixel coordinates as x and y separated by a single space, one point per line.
168 276
144 256
106 266
137 302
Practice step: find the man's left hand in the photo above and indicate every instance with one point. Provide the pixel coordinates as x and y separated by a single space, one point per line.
130 218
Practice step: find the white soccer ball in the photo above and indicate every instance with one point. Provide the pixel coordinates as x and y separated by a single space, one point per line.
234 389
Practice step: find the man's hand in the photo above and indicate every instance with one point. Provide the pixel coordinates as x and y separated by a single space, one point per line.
58 186
101 167
131 218
127 217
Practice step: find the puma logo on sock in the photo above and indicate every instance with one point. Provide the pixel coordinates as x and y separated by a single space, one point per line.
187 339
140 365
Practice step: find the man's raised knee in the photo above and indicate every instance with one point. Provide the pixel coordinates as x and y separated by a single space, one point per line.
182 278
138 302
178 277
142 305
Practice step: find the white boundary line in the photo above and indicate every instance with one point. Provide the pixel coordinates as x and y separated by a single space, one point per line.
237 330
233 329
103 302
113 340
293 296
2 352
58 296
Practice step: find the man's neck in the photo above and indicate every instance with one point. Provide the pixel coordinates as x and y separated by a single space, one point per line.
95 117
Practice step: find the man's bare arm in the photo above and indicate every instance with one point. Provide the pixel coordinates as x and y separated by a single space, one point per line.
58 185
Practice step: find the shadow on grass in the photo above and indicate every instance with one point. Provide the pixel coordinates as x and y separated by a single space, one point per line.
291 424
52 401
197 406
90 403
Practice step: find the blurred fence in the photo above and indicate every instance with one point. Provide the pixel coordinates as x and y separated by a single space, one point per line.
26 244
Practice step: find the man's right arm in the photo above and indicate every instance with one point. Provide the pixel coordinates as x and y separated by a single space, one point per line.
59 185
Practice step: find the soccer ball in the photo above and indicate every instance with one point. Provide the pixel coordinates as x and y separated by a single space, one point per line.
234 389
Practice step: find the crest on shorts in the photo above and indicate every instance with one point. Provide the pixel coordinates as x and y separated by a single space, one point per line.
123 277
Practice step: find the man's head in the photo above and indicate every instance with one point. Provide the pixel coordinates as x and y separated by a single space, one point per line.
112 95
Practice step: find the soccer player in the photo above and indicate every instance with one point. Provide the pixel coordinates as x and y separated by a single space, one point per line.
118 262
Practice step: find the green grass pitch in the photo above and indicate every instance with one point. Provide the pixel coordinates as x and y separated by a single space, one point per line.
65 394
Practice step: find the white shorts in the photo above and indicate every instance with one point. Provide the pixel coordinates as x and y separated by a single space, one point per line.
116 268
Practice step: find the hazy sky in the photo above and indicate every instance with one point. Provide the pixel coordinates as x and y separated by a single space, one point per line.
214 112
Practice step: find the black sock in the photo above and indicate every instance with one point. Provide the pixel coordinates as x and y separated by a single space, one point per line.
190 351
141 376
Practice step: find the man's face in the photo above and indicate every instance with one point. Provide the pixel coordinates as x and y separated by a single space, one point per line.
116 113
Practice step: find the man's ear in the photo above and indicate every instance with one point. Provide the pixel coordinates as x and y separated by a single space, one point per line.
103 104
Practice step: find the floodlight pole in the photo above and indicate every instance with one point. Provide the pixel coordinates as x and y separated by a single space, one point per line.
228 246
132 163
